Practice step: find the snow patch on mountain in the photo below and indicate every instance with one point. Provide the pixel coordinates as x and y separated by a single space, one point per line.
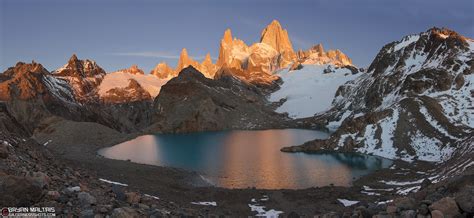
406 41
310 90
429 149
59 88
382 146
458 104
334 125
150 83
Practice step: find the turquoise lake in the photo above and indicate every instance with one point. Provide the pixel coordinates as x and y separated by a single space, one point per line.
241 159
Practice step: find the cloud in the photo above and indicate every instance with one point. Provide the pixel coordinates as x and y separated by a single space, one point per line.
157 54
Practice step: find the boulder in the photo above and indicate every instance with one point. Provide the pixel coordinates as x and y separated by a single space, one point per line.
465 199
53 195
408 214
119 192
132 197
392 209
437 214
447 206
41 179
86 199
143 206
423 210
361 211
89 213
105 208
405 203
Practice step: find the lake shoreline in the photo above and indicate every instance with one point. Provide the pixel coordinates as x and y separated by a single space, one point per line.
76 143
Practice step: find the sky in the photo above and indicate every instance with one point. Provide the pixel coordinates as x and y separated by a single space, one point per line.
119 33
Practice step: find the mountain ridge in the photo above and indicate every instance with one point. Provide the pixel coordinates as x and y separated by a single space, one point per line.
416 92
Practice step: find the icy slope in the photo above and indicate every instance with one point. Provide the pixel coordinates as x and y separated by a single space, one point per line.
310 90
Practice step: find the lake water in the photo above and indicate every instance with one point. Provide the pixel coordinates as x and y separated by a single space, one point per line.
241 159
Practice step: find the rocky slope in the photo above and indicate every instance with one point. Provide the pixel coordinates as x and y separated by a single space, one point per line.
415 101
191 102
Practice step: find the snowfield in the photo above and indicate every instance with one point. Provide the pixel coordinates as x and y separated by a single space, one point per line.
406 41
150 83
309 91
